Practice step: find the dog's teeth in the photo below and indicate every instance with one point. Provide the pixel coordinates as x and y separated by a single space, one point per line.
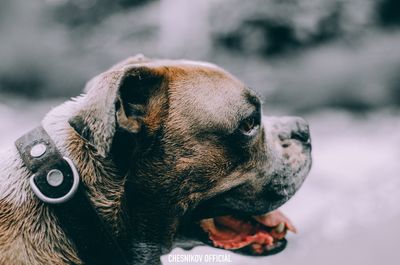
208 224
280 228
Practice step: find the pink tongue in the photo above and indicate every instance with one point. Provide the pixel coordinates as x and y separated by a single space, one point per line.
230 233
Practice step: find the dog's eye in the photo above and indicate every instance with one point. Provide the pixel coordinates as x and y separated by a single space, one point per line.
249 126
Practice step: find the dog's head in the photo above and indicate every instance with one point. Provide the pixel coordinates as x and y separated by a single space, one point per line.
195 150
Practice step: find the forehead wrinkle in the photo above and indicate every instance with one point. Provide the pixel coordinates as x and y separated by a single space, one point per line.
208 97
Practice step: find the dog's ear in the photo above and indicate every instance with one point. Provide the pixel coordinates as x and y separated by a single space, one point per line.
125 98
140 98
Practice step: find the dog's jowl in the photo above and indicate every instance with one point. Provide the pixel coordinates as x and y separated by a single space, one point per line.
168 153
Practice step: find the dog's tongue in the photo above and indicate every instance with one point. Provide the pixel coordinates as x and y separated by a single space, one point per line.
262 232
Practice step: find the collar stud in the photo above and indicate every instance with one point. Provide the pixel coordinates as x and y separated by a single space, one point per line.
55 177
38 150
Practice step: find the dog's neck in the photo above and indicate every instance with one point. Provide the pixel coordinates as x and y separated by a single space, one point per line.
106 179
97 173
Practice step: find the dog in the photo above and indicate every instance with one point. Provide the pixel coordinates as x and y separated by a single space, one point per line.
170 151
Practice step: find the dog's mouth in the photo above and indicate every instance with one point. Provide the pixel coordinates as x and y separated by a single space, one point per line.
252 235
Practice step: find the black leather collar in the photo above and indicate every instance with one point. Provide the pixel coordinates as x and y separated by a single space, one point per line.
56 182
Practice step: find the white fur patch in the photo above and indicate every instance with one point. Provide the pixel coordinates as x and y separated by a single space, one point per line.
14 179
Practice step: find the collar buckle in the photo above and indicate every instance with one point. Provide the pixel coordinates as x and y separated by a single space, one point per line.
55 178
45 187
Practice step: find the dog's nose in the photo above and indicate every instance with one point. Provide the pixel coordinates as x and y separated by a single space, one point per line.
296 128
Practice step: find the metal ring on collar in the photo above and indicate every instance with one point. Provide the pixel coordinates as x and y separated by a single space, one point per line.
64 198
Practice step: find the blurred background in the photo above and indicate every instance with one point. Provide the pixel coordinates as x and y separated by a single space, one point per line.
334 62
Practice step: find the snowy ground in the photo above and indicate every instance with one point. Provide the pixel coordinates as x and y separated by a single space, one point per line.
348 211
